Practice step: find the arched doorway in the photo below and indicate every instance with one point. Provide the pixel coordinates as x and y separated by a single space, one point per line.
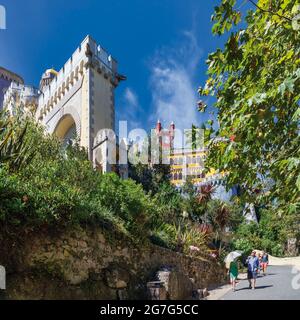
66 129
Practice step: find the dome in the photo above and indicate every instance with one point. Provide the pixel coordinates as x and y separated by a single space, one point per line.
51 72
47 77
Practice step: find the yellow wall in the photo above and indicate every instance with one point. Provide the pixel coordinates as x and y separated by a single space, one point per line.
103 109
196 168
84 139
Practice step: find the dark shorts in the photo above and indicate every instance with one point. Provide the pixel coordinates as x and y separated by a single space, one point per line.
252 275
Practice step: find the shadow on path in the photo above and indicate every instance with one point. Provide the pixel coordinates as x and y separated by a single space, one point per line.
258 287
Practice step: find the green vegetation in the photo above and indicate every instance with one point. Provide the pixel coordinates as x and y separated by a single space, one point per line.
268 235
255 80
58 186
44 184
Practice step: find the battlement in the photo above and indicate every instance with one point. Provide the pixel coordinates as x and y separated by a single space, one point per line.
24 91
10 76
88 54
20 95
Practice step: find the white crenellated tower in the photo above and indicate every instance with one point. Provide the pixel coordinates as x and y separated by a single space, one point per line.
80 98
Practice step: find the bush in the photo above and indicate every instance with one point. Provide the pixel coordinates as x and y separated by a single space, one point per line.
58 186
243 244
165 235
267 235
169 202
127 199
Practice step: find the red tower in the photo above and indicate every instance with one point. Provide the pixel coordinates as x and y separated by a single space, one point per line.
166 137
158 127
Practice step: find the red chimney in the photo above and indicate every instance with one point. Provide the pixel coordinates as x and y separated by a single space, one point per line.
158 127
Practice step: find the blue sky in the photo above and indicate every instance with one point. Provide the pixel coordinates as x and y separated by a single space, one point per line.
161 46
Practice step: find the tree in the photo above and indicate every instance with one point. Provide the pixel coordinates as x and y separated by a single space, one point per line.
15 149
255 79
223 217
151 175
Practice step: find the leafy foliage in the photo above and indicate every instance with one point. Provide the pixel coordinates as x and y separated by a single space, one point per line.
183 236
58 186
268 235
191 203
169 202
196 200
255 79
12 144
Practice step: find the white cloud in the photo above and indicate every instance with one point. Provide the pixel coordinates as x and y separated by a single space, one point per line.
131 108
130 97
174 93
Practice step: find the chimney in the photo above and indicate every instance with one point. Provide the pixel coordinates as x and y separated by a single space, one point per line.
158 127
172 133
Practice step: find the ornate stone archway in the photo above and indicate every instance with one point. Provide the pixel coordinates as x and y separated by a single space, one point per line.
66 127
68 119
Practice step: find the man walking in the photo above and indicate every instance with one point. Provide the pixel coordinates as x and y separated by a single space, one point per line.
253 265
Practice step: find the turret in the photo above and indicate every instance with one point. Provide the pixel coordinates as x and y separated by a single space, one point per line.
47 78
158 127
6 78
172 134
172 128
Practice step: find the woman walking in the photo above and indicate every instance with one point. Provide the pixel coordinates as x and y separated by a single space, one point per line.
233 273
264 262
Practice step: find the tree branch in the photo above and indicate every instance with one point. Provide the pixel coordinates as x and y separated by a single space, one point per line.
269 11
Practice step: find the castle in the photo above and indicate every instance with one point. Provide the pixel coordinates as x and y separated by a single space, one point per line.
78 100
6 78
187 162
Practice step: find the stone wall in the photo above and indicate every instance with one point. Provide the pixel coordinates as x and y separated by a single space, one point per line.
92 264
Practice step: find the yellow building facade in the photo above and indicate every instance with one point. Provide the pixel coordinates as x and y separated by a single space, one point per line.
186 163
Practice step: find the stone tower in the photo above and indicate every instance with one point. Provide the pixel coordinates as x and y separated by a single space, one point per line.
79 99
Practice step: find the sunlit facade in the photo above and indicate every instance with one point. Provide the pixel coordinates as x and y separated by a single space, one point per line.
76 102
186 163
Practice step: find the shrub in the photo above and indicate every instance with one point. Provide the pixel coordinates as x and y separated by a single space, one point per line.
59 187
165 235
267 235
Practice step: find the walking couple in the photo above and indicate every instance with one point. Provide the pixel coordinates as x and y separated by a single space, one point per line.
253 267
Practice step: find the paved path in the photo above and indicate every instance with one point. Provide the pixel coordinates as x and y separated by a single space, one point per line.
276 285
